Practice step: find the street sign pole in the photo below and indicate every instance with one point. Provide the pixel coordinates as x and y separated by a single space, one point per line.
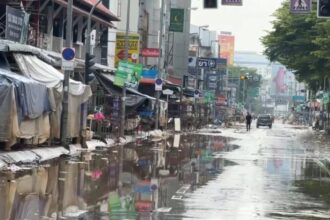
67 73
88 52
123 100
65 109
159 63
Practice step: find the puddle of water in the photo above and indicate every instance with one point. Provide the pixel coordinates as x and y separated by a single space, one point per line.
138 181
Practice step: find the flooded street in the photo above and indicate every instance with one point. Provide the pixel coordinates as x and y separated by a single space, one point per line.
264 174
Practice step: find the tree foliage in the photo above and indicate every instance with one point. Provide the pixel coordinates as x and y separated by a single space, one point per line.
234 73
301 43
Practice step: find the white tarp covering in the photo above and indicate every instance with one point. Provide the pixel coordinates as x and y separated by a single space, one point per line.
24 107
31 66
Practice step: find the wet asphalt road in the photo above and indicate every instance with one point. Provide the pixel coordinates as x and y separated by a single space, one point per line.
282 173
279 173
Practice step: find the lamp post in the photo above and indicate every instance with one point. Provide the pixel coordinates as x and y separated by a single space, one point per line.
215 54
159 64
197 67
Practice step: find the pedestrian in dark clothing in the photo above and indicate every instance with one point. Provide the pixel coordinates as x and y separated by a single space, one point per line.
248 119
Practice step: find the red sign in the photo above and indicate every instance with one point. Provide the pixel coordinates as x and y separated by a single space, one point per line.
150 52
221 100
143 206
121 54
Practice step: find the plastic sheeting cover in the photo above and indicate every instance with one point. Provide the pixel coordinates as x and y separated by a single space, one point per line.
50 153
32 97
44 73
19 157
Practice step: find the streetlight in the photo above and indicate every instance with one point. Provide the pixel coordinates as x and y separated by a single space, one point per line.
204 27
214 41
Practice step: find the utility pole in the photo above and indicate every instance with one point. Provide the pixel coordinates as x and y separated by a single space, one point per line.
65 113
88 56
67 73
159 62
123 99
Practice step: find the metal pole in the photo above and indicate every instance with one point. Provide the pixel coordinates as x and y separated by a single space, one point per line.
67 73
88 51
244 93
197 76
65 113
88 33
166 113
123 105
159 62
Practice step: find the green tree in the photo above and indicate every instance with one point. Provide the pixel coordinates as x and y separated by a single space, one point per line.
254 80
301 43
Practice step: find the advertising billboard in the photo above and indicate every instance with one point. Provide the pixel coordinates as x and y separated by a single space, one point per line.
133 47
227 47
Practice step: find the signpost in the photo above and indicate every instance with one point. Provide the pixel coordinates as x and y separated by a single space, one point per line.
300 6
158 84
167 92
196 94
68 55
232 2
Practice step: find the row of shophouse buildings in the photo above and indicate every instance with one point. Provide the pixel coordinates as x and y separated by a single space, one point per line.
33 35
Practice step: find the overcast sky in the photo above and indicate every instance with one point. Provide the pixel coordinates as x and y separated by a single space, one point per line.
248 22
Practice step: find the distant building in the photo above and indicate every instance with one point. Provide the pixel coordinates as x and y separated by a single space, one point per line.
253 60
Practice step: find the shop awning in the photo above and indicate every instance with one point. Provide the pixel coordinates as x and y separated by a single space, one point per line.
133 100
101 8
85 13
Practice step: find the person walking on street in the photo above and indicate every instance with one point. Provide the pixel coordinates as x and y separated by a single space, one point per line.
248 119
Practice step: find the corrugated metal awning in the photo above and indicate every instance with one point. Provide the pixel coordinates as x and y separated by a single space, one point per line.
85 13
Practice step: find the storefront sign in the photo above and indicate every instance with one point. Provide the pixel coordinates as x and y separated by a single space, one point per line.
150 52
128 74
133 47
176 20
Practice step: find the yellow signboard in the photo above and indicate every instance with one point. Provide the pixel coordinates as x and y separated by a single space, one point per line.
133 47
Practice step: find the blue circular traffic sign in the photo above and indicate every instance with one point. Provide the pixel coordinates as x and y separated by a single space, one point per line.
153 187
159 81
68 53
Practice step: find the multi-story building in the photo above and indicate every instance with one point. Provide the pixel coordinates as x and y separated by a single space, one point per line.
47 24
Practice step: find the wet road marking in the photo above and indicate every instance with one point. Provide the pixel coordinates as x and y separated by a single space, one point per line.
164 209
183 189
176 197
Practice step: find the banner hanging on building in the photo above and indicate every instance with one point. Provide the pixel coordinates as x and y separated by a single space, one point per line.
133 47
16 25
176 20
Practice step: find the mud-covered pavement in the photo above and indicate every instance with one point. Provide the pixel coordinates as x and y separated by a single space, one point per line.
279 173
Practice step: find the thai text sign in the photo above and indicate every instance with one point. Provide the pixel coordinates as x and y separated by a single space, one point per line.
133 47
128 74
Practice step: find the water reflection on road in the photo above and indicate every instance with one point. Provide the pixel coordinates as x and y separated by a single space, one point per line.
137 181
182 177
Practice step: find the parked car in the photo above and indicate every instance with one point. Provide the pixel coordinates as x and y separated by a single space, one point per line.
264 120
